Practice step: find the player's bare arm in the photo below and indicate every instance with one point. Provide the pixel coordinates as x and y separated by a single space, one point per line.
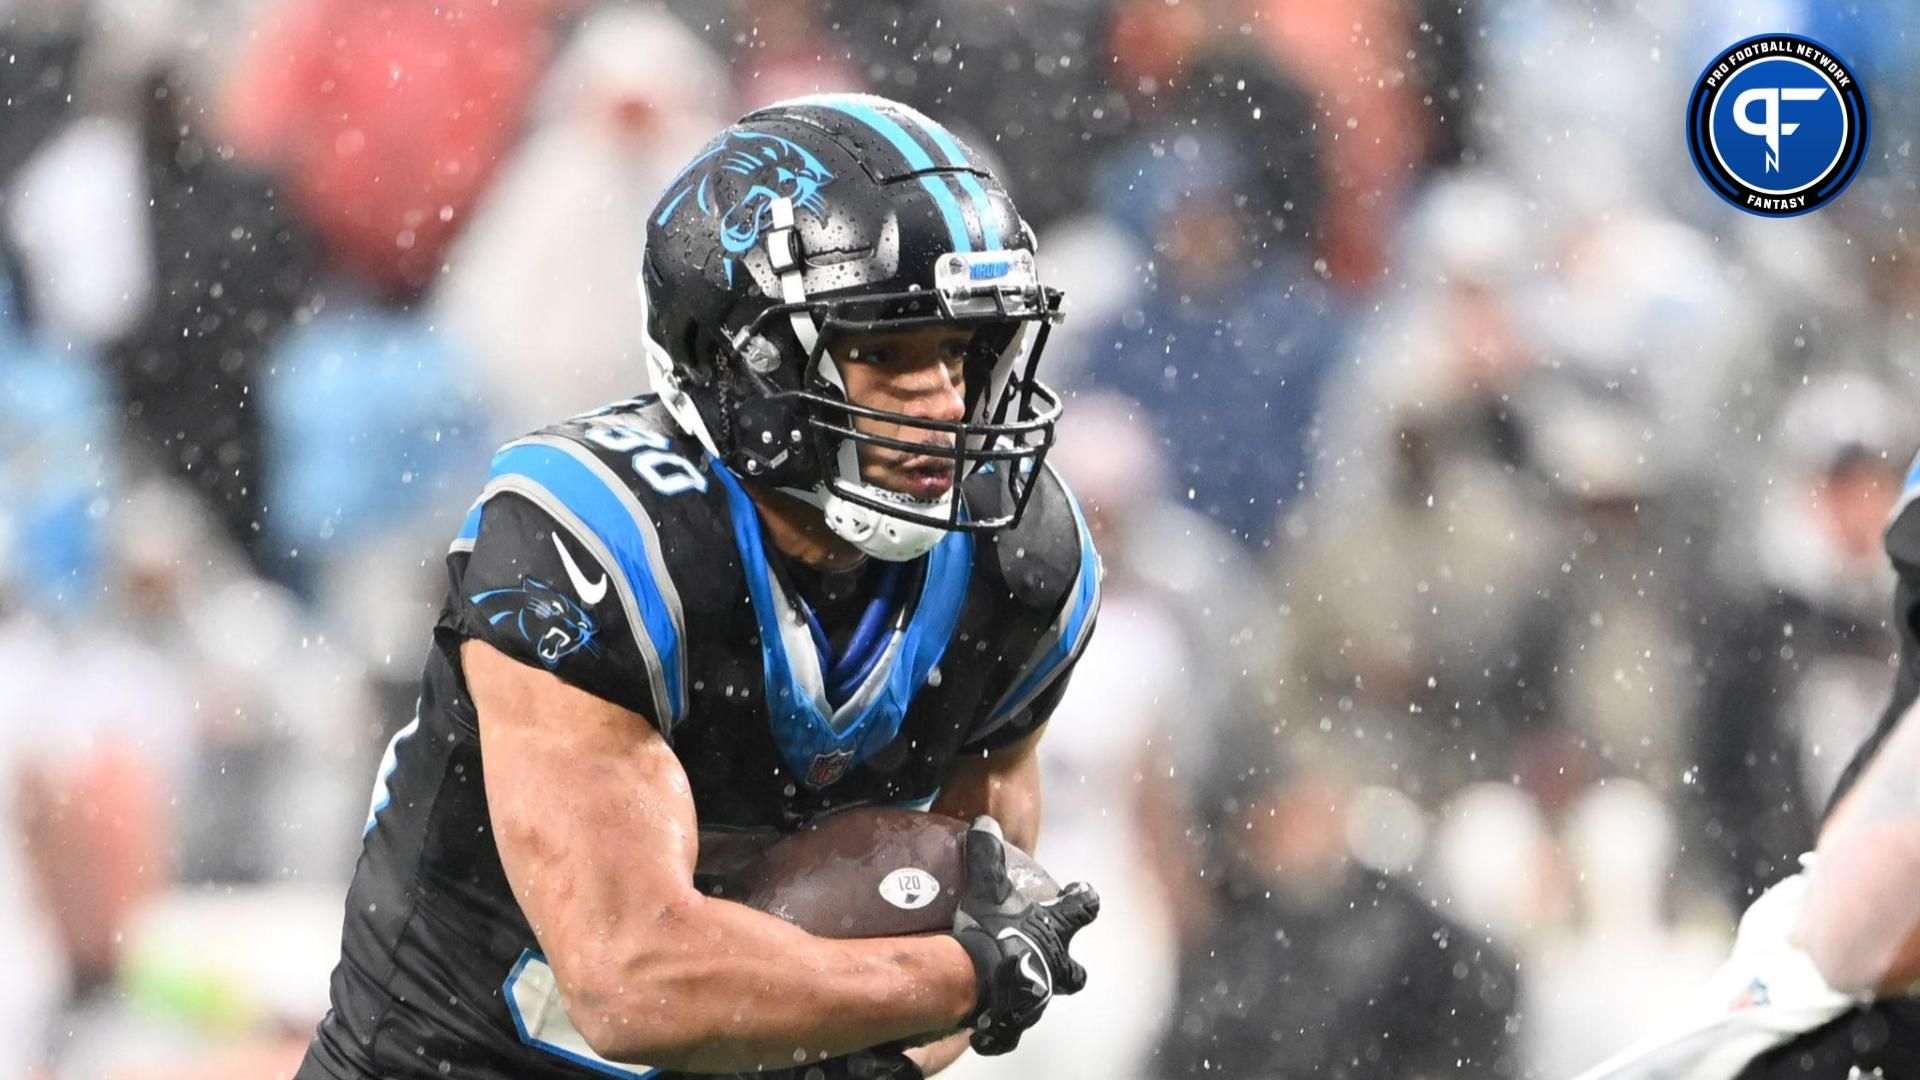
1004 783
596 830
1861 922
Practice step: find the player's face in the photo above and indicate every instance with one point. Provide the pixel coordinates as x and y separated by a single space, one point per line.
919 373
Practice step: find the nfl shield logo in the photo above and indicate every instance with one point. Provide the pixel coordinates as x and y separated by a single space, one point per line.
829 767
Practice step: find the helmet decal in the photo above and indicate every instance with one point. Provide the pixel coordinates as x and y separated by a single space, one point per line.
862 108
775 167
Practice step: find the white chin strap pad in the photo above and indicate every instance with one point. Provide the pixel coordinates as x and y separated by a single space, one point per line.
882 536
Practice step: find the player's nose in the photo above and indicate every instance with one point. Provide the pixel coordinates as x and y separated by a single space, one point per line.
934 392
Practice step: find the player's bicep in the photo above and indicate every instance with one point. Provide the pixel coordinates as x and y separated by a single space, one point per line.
591 812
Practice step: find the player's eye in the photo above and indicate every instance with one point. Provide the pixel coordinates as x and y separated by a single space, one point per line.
869 354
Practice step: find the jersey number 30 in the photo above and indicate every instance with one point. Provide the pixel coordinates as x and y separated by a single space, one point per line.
666 472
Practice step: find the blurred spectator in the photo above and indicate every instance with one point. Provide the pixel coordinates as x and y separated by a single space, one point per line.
56 464
379 438
1187 69
780 51
1800 656
1578 154
1225 356
1024 82
1360 63
41 943
1617 663
1421 622
134 239
370 412
386 119
1318 966
1188 589
1448 342
1628 962
40 44
229 268
541 286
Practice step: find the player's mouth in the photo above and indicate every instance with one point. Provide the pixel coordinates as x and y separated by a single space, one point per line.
925 477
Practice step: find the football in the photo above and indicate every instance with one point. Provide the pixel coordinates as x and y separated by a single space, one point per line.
870 872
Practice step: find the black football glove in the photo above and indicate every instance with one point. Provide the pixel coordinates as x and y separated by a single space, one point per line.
1018 946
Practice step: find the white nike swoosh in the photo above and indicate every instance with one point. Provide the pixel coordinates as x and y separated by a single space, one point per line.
590 592
1033 975
1042 976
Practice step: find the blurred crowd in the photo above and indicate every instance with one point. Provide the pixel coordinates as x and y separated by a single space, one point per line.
1490 515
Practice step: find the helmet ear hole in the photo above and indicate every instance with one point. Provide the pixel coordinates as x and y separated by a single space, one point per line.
690 346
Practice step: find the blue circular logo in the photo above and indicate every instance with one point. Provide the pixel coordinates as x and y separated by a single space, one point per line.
1777 125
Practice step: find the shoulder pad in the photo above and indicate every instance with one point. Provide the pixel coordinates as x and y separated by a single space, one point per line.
1047 561
1903 529
1040 558
628 424
603 477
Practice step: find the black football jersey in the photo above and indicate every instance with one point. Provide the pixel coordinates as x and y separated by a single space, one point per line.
613 552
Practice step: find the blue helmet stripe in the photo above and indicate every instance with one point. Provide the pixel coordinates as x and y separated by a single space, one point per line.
916 157
578 489
969 183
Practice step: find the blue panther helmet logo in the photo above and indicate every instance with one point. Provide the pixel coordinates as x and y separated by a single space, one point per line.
549 619
772 168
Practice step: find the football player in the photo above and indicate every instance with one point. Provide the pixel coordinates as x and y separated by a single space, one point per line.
823 565
1820 983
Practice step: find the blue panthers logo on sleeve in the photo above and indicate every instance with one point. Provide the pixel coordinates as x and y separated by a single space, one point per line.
549 619
772 168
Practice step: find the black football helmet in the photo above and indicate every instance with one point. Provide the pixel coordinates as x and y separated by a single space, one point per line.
840 214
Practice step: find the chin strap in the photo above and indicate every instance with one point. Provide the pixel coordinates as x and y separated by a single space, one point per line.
664 382
882 536
783 255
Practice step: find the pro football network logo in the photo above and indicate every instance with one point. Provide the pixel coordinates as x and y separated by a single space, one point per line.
1777 125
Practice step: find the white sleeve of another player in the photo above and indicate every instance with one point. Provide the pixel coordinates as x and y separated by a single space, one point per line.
1767 992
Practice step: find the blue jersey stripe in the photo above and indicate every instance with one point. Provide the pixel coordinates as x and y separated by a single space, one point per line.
916 157
586 494
808 736
470 528
1913 477
969 183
